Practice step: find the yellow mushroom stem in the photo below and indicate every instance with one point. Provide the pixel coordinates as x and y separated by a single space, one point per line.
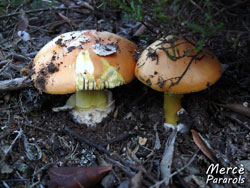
172 104
85 100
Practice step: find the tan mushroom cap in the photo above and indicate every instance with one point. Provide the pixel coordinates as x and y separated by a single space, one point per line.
84 60
155 69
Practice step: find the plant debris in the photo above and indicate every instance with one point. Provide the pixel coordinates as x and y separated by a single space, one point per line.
33 139
77 177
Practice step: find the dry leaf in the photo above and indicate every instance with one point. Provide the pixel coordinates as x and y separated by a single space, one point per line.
23 21
199 181
116 113
166 162
136 180
203 147
66 19
2 56
87 5
77 177
142 141
238 108
141 30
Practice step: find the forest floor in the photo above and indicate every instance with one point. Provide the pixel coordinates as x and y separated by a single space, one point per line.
34 139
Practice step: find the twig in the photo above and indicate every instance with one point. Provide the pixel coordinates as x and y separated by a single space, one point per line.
39 128
63 159
15 84
233 117
39 10
102 149
229 7
5 184
14 180
21 57
183 74
123 168
82 139
175 58
4 62
128 165
198 6
20 132
177 171
5 132
118 138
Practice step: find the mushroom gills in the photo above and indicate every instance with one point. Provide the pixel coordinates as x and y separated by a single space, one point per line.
85 79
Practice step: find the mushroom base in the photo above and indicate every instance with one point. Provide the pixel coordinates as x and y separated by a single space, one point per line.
180 127
94 114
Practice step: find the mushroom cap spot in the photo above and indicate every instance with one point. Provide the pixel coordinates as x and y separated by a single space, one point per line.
205 68
63 51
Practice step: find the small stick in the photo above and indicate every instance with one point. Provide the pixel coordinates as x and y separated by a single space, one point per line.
118 138
102 149
38 10
15 84
4 62
177 171
82 139
39 128
14 180
233 117
126 170
20 132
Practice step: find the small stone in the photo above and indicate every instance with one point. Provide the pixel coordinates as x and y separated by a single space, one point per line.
245 104
6 169
142 141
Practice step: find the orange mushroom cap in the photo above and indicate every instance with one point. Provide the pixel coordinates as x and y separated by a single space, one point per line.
84 60
156 69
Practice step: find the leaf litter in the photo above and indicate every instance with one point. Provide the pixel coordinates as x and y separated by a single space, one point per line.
29 111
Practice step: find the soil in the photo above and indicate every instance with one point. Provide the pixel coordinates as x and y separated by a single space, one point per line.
45 142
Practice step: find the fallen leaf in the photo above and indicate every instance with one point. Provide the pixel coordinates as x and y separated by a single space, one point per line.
124 184
238 108
66 19
167 157
141 30
203 147
2 56
77 177
23 21
199 181
245 164
136 180
108 181
32 150
116 113
157 145
87 5
6 169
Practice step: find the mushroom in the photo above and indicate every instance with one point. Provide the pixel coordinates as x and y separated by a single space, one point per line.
85 62
174 67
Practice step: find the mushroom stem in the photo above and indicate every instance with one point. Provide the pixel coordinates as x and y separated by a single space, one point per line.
172 104
91 99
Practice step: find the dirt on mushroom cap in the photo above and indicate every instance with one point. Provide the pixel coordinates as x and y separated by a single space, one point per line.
61 53
155 69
